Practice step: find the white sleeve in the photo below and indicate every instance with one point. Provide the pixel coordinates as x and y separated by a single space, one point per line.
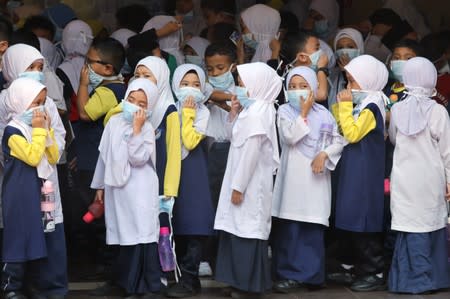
334 150
57 125
440 131
98 181
292 132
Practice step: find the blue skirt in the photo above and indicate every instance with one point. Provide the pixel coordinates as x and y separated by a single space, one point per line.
420 263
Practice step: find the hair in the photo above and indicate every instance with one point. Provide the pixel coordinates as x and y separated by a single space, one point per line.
23 36
132 17
226 6
6 29
385 16
410 44
110 51
289 21
39 22
294 43
220 32
434 46
225 48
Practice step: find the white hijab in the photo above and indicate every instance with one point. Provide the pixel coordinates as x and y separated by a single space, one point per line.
161 72
113 146
199 45
264 23
76 40
170 43
330 10
50 53
122 35
19 96
263 85
412 114
202 112
352 34
372 76
17 59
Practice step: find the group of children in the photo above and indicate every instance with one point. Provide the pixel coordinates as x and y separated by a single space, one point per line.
263 146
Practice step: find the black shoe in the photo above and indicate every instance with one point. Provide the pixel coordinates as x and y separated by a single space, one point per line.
245 295
14 295
108 289
181 290
150 296
345 278
369 283
287 286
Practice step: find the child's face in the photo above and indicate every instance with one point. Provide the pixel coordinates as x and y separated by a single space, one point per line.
39 100
346 43
3 46
298 82
190 80
187 50
217 65
312 45
36 66
144 72
352 84
138 98
403 53
98 65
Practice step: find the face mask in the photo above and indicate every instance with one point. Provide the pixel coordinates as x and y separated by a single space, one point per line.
294 96
94 78
35 75
321 27
397 69
222 82
187 91
128 110
445 69
249 41
166 205
27 116
197 60
358 96
241 94
351 53
314 57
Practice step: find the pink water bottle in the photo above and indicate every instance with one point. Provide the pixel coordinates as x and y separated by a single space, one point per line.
166 257
95 211
48 207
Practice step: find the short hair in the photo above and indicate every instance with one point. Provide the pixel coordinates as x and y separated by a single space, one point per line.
220 32
23 36
294 43
289 21
225 6
434 46
385 16
39 22
110 51
6 29
225 48
132 17
410 44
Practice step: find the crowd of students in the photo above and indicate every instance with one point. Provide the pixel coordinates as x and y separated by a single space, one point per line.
282 149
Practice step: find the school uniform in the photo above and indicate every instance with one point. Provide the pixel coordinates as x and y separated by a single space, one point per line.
420 174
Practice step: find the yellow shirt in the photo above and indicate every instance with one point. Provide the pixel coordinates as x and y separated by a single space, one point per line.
353 130
100 103
190 137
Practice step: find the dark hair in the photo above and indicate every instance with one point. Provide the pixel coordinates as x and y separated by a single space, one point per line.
225 48
294 43
220 32
110 51
226 6
410 44
434 46
39 22
289 21
23 36
132 17
6 29
385 16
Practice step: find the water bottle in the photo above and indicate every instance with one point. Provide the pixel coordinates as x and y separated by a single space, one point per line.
165 250
48 207
95 211
325 137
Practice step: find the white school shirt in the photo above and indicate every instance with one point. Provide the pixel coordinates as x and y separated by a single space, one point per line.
218 121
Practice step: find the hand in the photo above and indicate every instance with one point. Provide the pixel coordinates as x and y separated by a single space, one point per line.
48 119
345 96
235 106
306 104
343 61
100 195
240 52
169 28
275 46
84 76
236 197
318 164
222 105
447 196
38 120
189 103
139 119
323 61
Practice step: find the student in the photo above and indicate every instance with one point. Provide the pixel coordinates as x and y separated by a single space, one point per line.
192 19
30 149
215 12
300 218
126 180
243 217
193 213
323 18
420 131
194 51
360 200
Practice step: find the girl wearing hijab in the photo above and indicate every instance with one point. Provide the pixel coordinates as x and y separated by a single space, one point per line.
323 18
360 114
194 51
420 131
193 212
31 151
126 180
300 221
244 212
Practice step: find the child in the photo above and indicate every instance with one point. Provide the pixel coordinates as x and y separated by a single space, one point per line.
420 131
301 218
193 212
194 51
30 149
125 176
244 213
323 18
359 202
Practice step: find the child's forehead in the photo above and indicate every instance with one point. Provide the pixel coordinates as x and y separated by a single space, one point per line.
219 59
297 79
94 53
191 76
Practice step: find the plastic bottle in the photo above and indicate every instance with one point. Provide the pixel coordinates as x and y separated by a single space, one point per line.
95 211
325 137
48 206
165 250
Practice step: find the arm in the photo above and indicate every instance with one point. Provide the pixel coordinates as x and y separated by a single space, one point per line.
173 165
83 93
322 91
392 131
100 103
292 132
334 150
190 137
140 149
440 131
249 156
355 130
29 153
98 180
52 151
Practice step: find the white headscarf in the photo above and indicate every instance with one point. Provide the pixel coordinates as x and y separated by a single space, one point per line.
330 10
352 34
264 23
372 76
161 71
122 35
263 85
202 112
199 45
17 59
170 43
412 114
50 53
113 146
76 40
19 97
329 52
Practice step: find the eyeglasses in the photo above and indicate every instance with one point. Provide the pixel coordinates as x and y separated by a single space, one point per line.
91 61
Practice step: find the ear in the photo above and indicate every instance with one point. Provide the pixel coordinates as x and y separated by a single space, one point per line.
302 58
109 70
3 46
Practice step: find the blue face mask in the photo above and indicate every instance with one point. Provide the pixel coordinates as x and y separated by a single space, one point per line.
358 96
222 82
351 53
128 110
321 27
249 41
35 75
241 94
197 60
27 116
126 69
94 78
294 96
187 91
397 69
166 205
314 57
